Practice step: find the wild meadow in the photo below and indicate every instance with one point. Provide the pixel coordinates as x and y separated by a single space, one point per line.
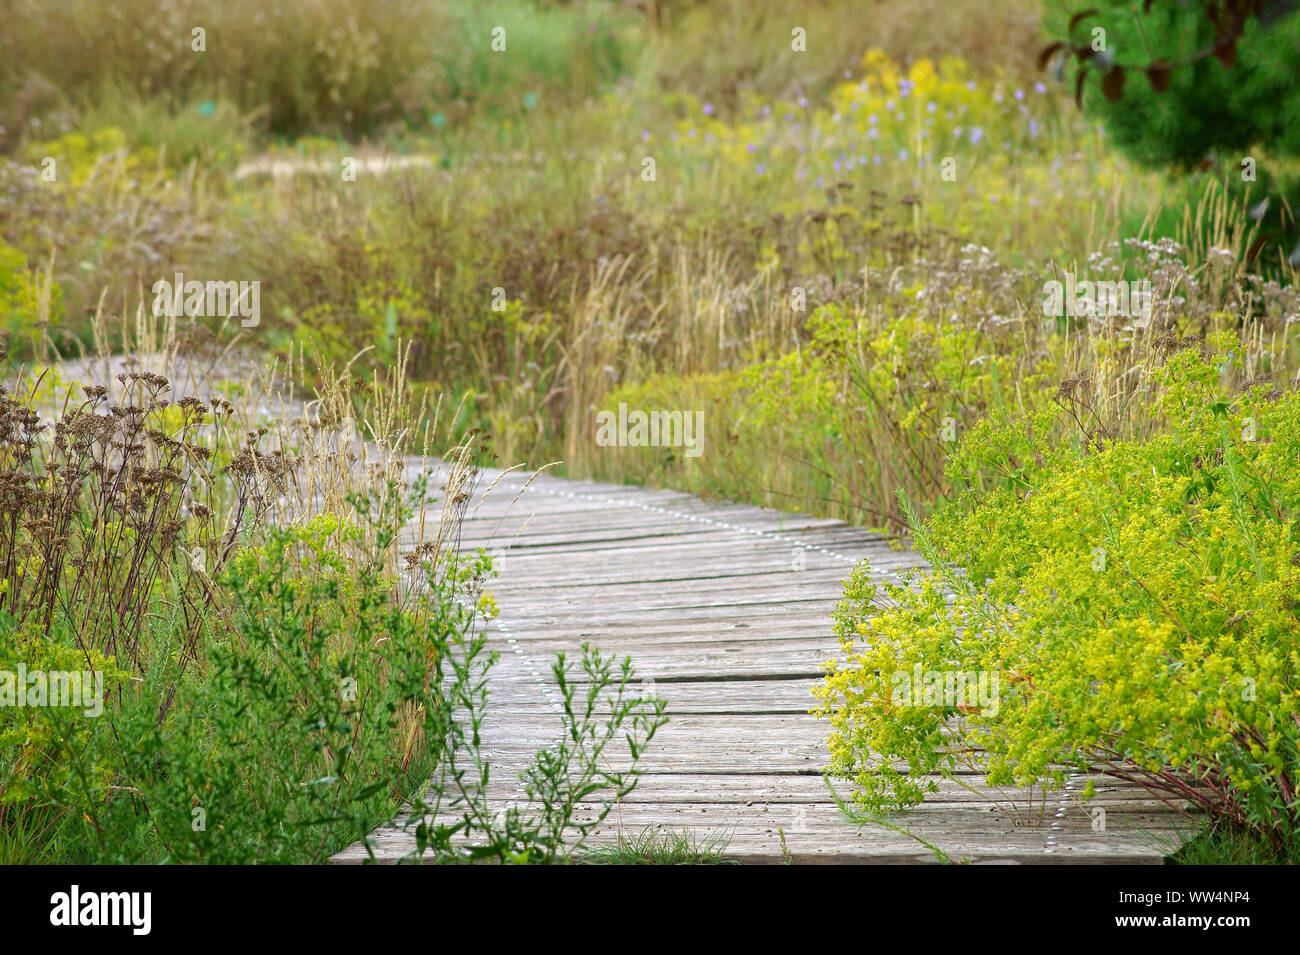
831 228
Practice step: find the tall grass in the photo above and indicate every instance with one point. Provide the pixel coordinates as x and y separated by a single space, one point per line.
533 269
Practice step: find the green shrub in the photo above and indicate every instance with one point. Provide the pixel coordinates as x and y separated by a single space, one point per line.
866 408
211 133
307 725
112 220
1238 104
300 729
46 750
552 50
28 302
1133 605
329 699
281 690
1252 102
594 760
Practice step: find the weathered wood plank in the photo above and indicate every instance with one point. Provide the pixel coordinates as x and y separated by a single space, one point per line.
725 611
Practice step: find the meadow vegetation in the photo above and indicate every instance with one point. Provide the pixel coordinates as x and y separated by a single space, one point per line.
838 256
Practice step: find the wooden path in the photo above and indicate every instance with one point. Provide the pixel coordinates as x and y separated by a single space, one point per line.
726 608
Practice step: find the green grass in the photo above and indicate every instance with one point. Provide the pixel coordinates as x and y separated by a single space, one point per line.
655 845
1225 845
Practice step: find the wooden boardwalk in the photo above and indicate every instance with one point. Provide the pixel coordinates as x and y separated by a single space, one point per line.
726 609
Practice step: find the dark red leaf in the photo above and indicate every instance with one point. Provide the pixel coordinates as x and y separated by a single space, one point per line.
1074 20
1048 52
1158 75
1112 84
1078 88
1225 51
1253 252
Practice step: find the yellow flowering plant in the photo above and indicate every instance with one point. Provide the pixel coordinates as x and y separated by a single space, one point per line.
1138 605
